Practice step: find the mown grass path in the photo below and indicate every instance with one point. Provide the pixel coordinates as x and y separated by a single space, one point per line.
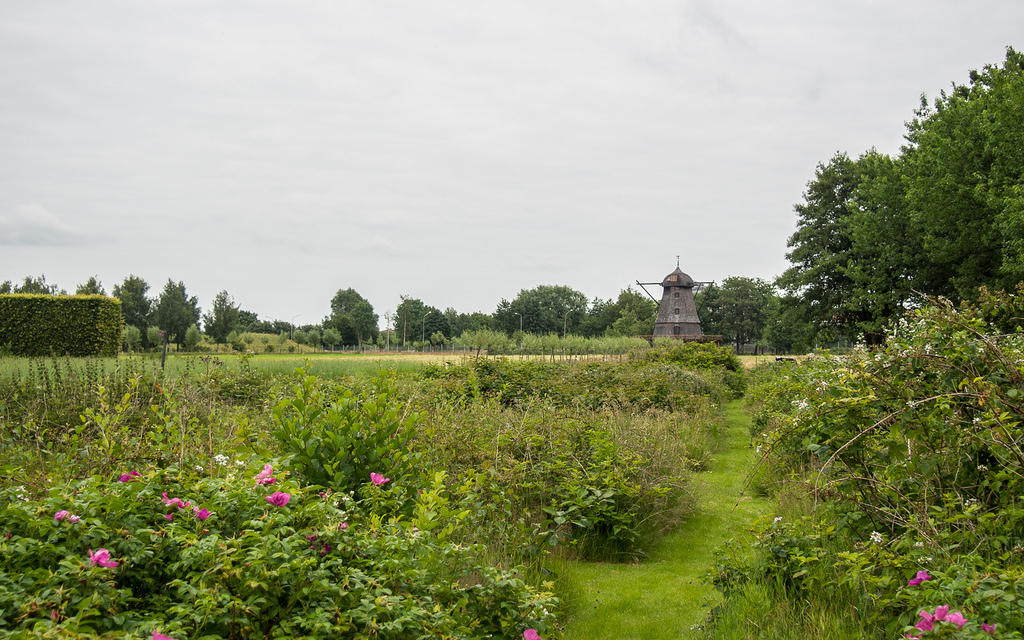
664 596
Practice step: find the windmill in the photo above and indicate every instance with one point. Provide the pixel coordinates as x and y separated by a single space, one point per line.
677 311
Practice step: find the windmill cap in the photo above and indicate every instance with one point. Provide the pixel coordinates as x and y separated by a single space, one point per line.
677 279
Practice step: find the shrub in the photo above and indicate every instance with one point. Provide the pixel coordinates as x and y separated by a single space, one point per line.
132 340
216 558
336 437
591 385
598 484
192 337
911 457
44 325
693 355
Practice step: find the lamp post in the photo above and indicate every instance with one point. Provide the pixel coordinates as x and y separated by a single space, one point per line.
423 329
520 322
565 319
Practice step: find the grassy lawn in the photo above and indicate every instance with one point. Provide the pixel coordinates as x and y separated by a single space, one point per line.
664 596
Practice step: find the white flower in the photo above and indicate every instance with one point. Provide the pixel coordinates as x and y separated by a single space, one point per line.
758 449
876 537
777 520
919 545
240 463
199 467
970 502
926 559
982 467
221 459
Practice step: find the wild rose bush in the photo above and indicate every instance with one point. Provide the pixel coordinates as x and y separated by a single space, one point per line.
230 558
908 458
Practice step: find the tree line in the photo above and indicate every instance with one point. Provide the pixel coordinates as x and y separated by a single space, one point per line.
743 310
352 321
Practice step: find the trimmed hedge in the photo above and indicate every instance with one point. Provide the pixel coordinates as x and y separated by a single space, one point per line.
44 325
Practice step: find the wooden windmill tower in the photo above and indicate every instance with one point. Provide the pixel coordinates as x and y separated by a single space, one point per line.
677 311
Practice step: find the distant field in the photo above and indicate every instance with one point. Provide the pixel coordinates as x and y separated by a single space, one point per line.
325 364
750 361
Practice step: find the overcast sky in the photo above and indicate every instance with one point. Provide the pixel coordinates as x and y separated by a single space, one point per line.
455 152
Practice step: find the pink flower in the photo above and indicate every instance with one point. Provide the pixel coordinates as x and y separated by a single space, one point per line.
988 628
919 578
343 526
957 618
60 515
73 519
926 621
168 517
941 611
102 558
265 477
378 479
129 477
175 501
531 634
912 637
159 636
278 498
202 514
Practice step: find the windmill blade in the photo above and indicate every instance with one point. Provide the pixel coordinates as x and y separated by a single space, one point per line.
646 291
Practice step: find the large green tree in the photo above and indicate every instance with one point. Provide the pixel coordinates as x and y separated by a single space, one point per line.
222 318
352 316
175 311
459 323
965 182
543 309
884 261
738 309
92 286
136 307
415 320
820 249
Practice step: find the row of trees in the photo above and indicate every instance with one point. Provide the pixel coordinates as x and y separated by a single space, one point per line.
743 310
942 218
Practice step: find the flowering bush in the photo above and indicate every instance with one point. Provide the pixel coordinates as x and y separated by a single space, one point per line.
241 567
909 457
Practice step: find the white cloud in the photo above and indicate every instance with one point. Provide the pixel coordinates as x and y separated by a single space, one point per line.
32 224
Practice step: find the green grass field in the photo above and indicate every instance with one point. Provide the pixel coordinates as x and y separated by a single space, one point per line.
322 364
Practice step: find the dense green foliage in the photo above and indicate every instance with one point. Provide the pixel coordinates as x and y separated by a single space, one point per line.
352 316
911 457
222 319
337 437
214 557
44 325
635 385
738 309
175 311
942 218
453 509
